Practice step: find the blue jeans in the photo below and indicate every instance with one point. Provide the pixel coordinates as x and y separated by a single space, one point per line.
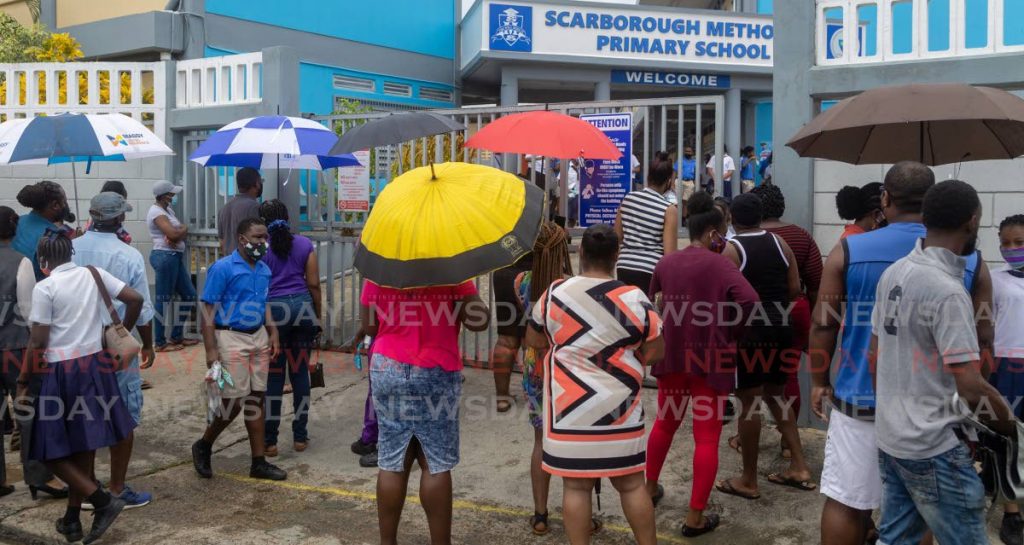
172 278
943 493
297 328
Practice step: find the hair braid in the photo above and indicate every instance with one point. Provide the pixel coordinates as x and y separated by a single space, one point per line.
550 258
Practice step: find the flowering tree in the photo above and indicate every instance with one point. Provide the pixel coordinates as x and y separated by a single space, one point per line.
33 44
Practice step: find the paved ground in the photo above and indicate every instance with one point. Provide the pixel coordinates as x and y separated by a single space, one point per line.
329 499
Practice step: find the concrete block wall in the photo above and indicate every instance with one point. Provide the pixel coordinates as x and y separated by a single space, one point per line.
1000 186
137 176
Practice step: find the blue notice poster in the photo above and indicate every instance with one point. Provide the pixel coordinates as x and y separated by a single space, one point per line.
603 184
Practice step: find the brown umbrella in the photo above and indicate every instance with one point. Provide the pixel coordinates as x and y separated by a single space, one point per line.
934 124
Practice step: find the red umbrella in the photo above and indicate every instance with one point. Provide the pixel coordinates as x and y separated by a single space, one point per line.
546 133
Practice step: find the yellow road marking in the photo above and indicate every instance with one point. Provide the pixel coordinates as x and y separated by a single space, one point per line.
462 505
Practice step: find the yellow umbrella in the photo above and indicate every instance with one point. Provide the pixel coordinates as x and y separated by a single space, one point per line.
444 224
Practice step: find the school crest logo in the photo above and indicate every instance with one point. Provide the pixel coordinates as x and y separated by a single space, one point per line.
511 28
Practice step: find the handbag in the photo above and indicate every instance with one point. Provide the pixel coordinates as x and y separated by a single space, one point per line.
1002 463
117 340
316 370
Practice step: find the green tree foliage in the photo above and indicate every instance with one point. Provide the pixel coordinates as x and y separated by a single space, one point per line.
18 42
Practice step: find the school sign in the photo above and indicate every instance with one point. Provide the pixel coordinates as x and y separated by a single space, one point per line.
628 33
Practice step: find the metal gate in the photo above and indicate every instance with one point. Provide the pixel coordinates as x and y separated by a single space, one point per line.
659 124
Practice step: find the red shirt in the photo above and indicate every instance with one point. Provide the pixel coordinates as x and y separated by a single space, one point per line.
418 326
705 300
808 256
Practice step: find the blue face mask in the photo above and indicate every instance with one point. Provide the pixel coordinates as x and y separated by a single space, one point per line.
174 200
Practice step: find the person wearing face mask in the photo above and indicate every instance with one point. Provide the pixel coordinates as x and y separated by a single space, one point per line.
49 210
699 365
647 225
926 347
244 205
113 186
1008 376
850 477
172 273
862 206
239 333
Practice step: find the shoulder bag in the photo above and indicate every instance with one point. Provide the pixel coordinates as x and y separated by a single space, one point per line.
117 340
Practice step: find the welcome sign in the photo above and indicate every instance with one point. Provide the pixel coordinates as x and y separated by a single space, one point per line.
628 33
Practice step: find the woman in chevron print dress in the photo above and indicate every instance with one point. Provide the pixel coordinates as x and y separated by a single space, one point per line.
601 333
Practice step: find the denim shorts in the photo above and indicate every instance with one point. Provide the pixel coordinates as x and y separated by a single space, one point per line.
129 382
943 493
418 402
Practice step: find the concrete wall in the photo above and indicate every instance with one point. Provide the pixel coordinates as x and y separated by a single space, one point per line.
17 9
1000 186
138 178
77 12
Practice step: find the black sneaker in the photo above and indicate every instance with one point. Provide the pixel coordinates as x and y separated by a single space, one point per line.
268 471
1011 532
362 449
71 532
103 519
201 459
369 459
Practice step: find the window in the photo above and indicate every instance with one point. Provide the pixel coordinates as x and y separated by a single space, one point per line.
902 27
867 30
975 24
938 25
1013 22
353 83
833 33
431 93
397 89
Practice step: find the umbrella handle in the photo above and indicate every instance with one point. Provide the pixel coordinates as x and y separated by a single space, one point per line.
74 178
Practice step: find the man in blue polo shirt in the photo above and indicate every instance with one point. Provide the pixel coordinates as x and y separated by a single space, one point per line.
850 478
686 170
238 333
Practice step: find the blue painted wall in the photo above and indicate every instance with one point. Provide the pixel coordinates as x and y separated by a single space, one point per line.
317 92
763 125
421 26
765 7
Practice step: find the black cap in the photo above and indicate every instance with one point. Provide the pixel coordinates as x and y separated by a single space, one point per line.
747 210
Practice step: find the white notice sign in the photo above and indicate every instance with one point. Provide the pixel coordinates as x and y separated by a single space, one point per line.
354 185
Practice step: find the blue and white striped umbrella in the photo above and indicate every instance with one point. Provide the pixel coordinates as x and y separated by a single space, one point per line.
77 137
273 141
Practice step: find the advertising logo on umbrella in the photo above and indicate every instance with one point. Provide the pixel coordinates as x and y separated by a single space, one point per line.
511 27
136 139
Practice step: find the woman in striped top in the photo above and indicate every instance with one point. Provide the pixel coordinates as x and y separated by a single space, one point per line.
647 225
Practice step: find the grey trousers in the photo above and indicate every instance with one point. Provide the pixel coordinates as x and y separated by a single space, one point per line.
36 473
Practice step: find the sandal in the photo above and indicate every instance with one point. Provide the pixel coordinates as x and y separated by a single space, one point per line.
710 523
187 342
146 385
504 405
541 520
806 486
169 347
734 443
726 487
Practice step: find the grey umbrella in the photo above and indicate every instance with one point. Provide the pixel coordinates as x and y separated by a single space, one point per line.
394 129
935 124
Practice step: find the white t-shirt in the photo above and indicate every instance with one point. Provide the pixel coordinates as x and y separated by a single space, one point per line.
633 163
69 302
160 241
1008 303
728 165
